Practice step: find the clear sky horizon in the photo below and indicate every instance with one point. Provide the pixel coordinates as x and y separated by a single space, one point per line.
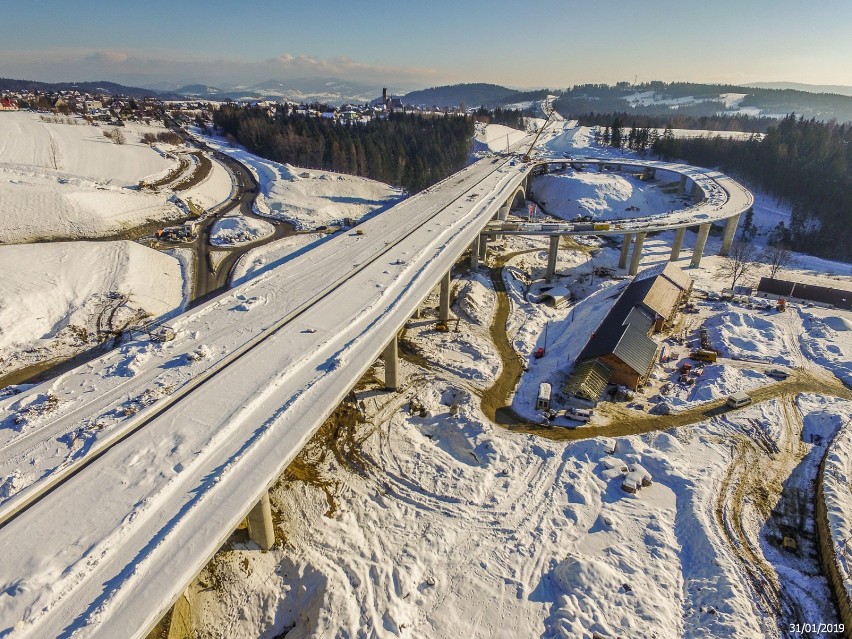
551 44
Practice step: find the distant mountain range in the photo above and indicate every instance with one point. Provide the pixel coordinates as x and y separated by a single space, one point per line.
325 90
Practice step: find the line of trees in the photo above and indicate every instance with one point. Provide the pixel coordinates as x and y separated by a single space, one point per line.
408 150
508 117
804 163
614 134
712 122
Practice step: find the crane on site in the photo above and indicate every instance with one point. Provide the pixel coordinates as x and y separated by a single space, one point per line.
548 107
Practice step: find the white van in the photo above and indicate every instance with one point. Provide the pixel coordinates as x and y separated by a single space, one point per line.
737 400
578 414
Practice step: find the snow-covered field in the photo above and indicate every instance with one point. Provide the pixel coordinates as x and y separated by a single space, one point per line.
67 181
80 149
60 297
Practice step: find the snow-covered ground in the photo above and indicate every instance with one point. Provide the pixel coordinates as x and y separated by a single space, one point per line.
837 487
309 199
446 525
67 181
61 179
70 145
494 138
60 297
238 230
600 195
429 520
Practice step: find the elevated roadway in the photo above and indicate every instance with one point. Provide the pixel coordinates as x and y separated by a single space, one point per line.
128 474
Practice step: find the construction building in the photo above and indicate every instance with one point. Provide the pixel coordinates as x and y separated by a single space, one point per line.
621 351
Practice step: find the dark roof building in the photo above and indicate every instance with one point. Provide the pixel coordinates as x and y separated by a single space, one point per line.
622 343
835 293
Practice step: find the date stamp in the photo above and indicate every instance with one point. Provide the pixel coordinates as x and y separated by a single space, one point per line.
816 628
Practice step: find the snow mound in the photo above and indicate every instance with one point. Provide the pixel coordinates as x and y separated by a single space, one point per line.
236 231
719 381
477 301
743 335
838 323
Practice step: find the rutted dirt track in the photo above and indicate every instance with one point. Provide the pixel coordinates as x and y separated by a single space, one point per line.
754 481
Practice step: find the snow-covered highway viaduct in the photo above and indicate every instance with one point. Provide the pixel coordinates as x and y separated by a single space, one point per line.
129 473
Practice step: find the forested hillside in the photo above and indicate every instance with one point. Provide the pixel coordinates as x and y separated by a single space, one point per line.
805 163
407 150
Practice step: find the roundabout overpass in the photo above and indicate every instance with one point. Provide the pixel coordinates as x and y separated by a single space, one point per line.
130 472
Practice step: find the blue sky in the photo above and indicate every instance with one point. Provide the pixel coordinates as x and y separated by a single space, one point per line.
547 43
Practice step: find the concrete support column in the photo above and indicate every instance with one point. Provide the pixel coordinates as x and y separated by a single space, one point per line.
728 234
552 256
391 357
697 193
677 244
483 247
681 187
474 254
625 249
637 254
503 213
444 308
700 241
260 527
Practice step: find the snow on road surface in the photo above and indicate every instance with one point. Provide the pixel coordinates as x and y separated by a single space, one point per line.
263 258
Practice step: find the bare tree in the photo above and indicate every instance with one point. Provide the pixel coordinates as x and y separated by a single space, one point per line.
776 258
115 135
740 261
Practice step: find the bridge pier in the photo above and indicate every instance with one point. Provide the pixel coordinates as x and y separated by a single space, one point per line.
697 193
503 215
444 307
677 244
391 357
474 254
637 253
625 250
483 247
552 256
700 241
681 187
260 528
728 234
